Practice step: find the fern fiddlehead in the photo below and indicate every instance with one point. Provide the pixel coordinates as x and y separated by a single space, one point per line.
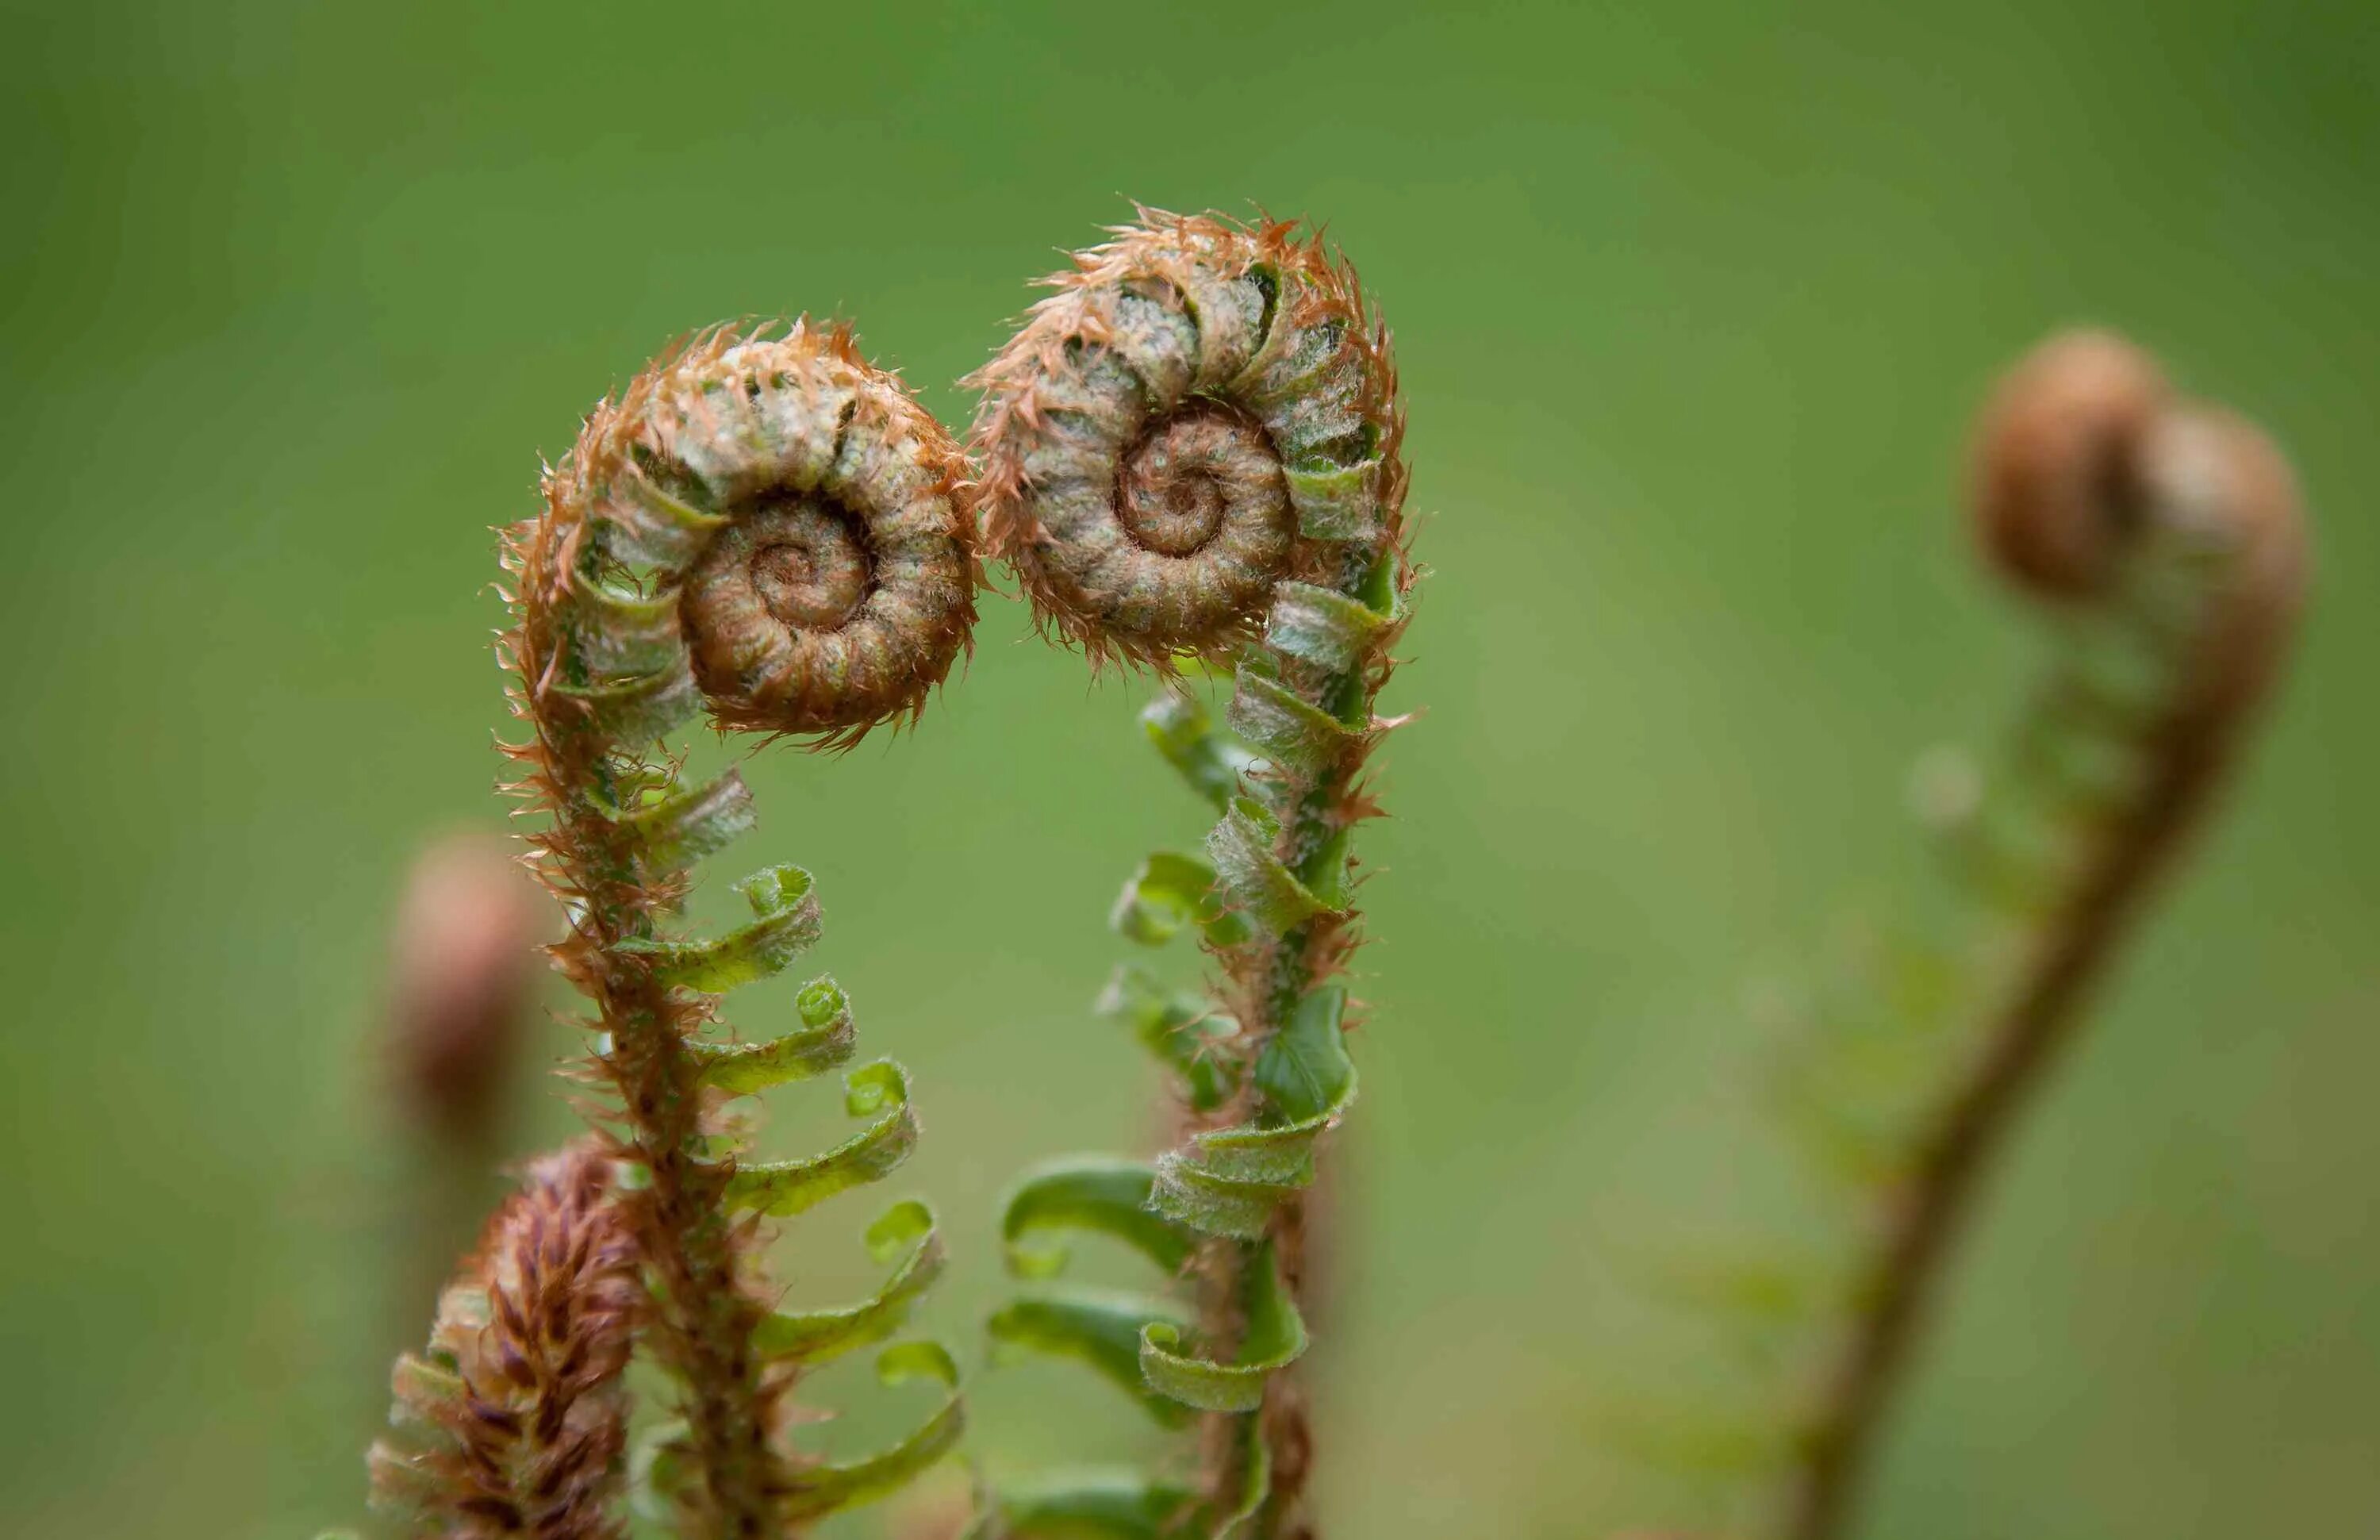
761 525
2167 538
2162 539
1192 448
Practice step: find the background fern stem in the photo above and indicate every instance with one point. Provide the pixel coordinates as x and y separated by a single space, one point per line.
2094 486
1921 1229
464 962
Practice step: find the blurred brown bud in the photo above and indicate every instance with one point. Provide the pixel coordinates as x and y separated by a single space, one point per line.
2083 446
463 959
2058 460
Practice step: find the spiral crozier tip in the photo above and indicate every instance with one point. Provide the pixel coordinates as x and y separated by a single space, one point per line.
1203 411
772 524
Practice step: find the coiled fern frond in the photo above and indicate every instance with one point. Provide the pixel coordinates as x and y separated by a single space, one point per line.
761 526
1191 452
2162 541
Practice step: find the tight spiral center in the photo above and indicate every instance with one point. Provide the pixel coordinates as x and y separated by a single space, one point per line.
810 571
1178 484
791 576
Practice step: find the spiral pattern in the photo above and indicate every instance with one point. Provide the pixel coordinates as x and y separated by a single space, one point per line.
796 507
764 526
1203 411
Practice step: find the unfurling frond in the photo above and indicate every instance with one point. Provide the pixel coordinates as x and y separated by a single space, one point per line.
763 525
2161 541
1191 450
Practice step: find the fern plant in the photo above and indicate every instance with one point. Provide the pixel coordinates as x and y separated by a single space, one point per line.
1190 457
1190 452
2162 539
764 526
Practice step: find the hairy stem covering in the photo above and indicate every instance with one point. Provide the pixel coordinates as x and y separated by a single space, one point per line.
1192 450
2169 534
761 525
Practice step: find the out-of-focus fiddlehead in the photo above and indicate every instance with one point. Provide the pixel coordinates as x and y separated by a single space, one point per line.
463 984
515 1421
462 965
2166 536
1191 452
764 526
463 970
2162 539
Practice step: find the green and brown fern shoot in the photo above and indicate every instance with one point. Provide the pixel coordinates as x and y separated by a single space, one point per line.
762 526
2163 538
2161 541
1190 455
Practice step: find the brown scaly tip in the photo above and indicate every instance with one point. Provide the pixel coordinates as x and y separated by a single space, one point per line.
1134 435
838 589
514 1423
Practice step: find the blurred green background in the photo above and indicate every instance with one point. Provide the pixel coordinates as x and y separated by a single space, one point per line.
1692 303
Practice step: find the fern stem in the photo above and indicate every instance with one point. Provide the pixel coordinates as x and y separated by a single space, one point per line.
1269 984
2089 474
703 1315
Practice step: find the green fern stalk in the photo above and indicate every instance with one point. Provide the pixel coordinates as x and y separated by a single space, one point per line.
1190 453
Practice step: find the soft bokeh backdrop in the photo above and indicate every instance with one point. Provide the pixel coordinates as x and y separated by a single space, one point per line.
1693 302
